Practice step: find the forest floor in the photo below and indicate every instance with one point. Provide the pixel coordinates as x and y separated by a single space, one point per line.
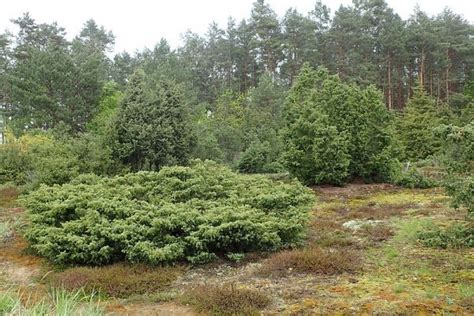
375 264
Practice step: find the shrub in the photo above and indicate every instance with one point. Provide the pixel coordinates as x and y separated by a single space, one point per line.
335 131
454 236
38 157
118 280
413 178
13 164
311 260
259 158
225 300
458 157
180 213
461 189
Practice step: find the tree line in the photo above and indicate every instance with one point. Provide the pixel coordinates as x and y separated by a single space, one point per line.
327 97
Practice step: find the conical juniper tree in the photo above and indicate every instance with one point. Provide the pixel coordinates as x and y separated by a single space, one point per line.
336 131
151 129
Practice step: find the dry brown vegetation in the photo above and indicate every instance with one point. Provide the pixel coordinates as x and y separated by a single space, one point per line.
225 300
373 211
118 280
376 233
312 260
8 196
329 233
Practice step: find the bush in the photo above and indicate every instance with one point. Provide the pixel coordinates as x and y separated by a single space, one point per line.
260 157
461 189
454 236
311 260
180 213
413 178
225 300
38 157
335 131
118 280
458 158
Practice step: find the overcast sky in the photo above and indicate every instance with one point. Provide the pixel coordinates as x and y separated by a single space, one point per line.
141 23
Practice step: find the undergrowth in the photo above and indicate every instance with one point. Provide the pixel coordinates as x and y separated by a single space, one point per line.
118 280
312 260
59 302
454 236
225 300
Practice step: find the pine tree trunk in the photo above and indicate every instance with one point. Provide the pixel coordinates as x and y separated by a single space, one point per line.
447 75
390 83
431 84
401 93
422 69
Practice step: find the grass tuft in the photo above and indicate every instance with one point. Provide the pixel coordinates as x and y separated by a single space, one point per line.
58 302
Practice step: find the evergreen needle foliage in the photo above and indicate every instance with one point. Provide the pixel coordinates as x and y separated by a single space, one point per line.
178 214
336 131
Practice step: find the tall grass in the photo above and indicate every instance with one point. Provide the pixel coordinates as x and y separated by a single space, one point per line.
58 303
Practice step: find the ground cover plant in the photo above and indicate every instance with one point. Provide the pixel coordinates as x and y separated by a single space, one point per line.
312 260
189 214
225 300
116 280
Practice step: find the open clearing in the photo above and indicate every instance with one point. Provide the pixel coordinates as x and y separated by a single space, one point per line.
361 257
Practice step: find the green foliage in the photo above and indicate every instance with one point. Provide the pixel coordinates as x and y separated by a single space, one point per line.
58 302
413 178
13 164
461 189
259 158
458 157
180 213
108 106
55 81
229 122
335 131
151 128
236 257
416 127
37 158
207 145
455 236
